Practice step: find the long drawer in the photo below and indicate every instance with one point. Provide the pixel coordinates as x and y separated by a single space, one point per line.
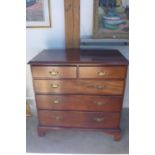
102 72
79 119
79 102
112 87
54 72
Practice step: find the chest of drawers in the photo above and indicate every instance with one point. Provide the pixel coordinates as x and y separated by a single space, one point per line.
79 89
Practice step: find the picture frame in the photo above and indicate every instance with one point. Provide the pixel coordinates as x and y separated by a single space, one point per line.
111 19
38 14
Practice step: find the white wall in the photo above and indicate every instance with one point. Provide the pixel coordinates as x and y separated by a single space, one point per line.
38 39
54 37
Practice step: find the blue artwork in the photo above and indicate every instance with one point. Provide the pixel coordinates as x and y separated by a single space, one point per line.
30 2
114 15
105 3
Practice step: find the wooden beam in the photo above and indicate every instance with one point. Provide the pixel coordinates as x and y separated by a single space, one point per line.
72 23
76 24
69 23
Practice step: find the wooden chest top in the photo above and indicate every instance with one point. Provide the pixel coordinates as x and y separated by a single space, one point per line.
80 56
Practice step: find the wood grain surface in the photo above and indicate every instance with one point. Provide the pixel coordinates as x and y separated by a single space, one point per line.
102 87
54 72
79 102
79 119
102 72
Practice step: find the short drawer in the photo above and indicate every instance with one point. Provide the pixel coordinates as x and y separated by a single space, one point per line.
53 72
79 102
102 72
79 119
103 87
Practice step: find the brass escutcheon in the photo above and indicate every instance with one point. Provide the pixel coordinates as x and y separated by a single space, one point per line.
58 118
101 73
56 101
54 85
99 119
100 87
100 103
53 73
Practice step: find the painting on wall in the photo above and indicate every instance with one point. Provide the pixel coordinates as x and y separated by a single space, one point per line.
111 19
38 13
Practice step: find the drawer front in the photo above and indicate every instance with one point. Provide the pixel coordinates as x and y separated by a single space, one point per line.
113 87
102 72
53 72
79 102
79 119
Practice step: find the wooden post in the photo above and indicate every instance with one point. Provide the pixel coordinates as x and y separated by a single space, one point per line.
72 23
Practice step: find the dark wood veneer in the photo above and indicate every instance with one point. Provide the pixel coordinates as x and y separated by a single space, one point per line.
101 87
78 88
102 72
79 56
79 119
54 72
79 102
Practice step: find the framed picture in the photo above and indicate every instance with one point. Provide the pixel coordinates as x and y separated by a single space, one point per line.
38 13
111 19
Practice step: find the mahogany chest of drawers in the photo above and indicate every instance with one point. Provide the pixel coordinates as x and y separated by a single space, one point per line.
79 89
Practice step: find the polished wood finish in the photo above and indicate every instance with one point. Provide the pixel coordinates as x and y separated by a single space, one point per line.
114 87
102 72
80 57
54 72
79 102
79 89
79 119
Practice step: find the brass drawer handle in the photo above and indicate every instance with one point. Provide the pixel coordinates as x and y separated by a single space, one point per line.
58 118
100 87
55 101
54 85
100 103
53 73
99 119
101 73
